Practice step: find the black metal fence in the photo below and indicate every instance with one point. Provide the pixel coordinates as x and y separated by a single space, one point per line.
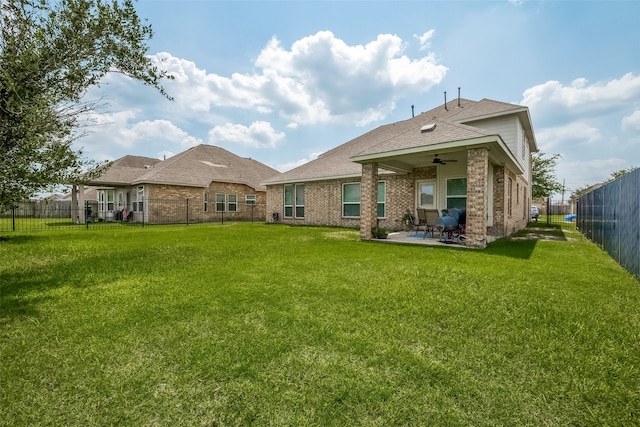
46 214
610 217
557 212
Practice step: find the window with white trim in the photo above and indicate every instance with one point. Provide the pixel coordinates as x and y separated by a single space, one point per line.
221 200
351 200
138 199
250 199
206 202
294 201
232 202
382 200
457 193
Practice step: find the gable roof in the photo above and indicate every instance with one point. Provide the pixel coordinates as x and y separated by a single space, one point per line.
202 164
124 170
452 126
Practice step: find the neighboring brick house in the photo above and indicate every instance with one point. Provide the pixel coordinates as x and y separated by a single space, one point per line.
206 179
467 154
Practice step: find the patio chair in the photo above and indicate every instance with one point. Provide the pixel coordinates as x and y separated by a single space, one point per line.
411 222
422 221
431 220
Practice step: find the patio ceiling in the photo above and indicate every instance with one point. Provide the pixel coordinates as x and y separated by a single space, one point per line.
404 161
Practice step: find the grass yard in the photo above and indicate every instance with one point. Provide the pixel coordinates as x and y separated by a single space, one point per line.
255 324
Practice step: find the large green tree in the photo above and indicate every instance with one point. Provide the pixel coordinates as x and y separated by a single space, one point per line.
51 53
543 170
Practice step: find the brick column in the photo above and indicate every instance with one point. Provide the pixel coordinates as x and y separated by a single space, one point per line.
368 199
477 176
499 197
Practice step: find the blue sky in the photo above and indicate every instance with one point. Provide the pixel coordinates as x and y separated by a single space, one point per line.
282 81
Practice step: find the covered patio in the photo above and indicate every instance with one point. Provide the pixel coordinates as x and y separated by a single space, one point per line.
409 238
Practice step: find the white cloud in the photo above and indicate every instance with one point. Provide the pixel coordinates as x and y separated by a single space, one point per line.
425 39
582 173
294 164
340 81
159 130
580 98
571 135
319 79
260 134
631 122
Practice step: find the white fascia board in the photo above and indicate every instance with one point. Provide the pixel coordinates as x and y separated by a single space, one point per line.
313 179
511 160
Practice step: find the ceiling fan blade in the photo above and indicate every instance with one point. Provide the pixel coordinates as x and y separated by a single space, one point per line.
437 160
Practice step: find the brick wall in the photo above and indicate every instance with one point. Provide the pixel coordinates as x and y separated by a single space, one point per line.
368 199
499 212
507 221
165 211
323 199
477 175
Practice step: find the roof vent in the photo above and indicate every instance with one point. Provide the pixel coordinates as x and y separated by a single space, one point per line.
428 128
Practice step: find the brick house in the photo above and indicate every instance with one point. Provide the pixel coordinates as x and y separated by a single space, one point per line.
209 179
466 154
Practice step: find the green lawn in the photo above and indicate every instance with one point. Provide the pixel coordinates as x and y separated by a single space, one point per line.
255 324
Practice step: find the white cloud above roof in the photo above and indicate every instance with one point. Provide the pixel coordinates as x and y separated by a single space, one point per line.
319 79
580 97
258 134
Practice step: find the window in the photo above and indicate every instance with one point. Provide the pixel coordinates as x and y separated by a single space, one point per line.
426 194
232 203
299 201
382 195
122 200
351 199
110 200
509 197
250 199
221 200
457 193
294 200
206 202
138 198
106 200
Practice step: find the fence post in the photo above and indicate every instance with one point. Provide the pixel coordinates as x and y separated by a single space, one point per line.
13 219
86 214
548 211
187 211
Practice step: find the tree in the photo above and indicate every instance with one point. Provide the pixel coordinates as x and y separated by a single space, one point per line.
51 53
622 172
614 175
543 170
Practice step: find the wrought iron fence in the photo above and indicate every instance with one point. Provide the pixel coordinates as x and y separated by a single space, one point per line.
557 212
610 217
46 214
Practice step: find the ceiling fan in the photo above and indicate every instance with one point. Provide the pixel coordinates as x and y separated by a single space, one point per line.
437 160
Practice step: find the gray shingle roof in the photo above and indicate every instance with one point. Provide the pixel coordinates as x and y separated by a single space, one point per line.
405 134
124 170
202 164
